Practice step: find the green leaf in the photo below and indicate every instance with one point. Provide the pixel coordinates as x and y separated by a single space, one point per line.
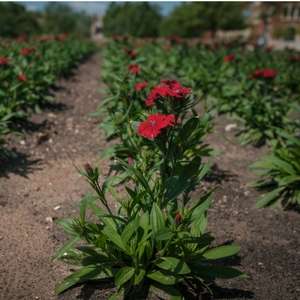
164 234
113 236
175 185
162 278
221 251
212 272
67 247
84 203
129 230
156 219
84 274
123 275
174 265
268 198
67 225
138 277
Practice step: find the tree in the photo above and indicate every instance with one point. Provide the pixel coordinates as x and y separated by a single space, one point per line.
15 20
60 18
192 19
135 19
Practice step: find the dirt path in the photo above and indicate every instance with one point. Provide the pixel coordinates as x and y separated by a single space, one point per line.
41 184
269 239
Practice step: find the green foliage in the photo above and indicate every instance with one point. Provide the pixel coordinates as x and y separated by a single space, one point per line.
15 20
192 19
57 18
135 19
280 175
155 240
60 18
46 61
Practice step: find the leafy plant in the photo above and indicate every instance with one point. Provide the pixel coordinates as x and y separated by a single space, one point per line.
29 69
155 240
143 248
280 175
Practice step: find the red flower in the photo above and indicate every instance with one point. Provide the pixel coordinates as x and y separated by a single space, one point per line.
167 88
131 53
265 73
134 69
140 86
4 61
26 51
154 124
229 58
22 77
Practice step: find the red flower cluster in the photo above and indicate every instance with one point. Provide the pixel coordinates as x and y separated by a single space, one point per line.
134 69
4 61
131 53
154 124
265 73
27 51
229 58
167 88
22 77
140 86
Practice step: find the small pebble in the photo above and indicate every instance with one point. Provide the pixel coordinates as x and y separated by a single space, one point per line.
49 220
57 207
230 127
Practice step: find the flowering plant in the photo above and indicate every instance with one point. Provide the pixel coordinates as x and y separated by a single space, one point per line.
155 239
28 69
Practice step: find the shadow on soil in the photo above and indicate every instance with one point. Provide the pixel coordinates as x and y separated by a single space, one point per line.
97 290
14 162
231 293
218 175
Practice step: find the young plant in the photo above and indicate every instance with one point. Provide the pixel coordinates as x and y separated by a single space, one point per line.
143 247
280 175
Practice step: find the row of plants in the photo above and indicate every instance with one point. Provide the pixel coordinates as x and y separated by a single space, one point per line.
29 68
257 88
150 239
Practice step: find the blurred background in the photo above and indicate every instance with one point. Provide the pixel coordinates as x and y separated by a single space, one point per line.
262 23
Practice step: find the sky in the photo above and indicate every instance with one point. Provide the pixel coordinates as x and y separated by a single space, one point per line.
96 8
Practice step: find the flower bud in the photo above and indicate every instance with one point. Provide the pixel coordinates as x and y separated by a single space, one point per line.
178 218
88 169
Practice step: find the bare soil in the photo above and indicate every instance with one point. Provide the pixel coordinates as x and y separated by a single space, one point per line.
40 184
